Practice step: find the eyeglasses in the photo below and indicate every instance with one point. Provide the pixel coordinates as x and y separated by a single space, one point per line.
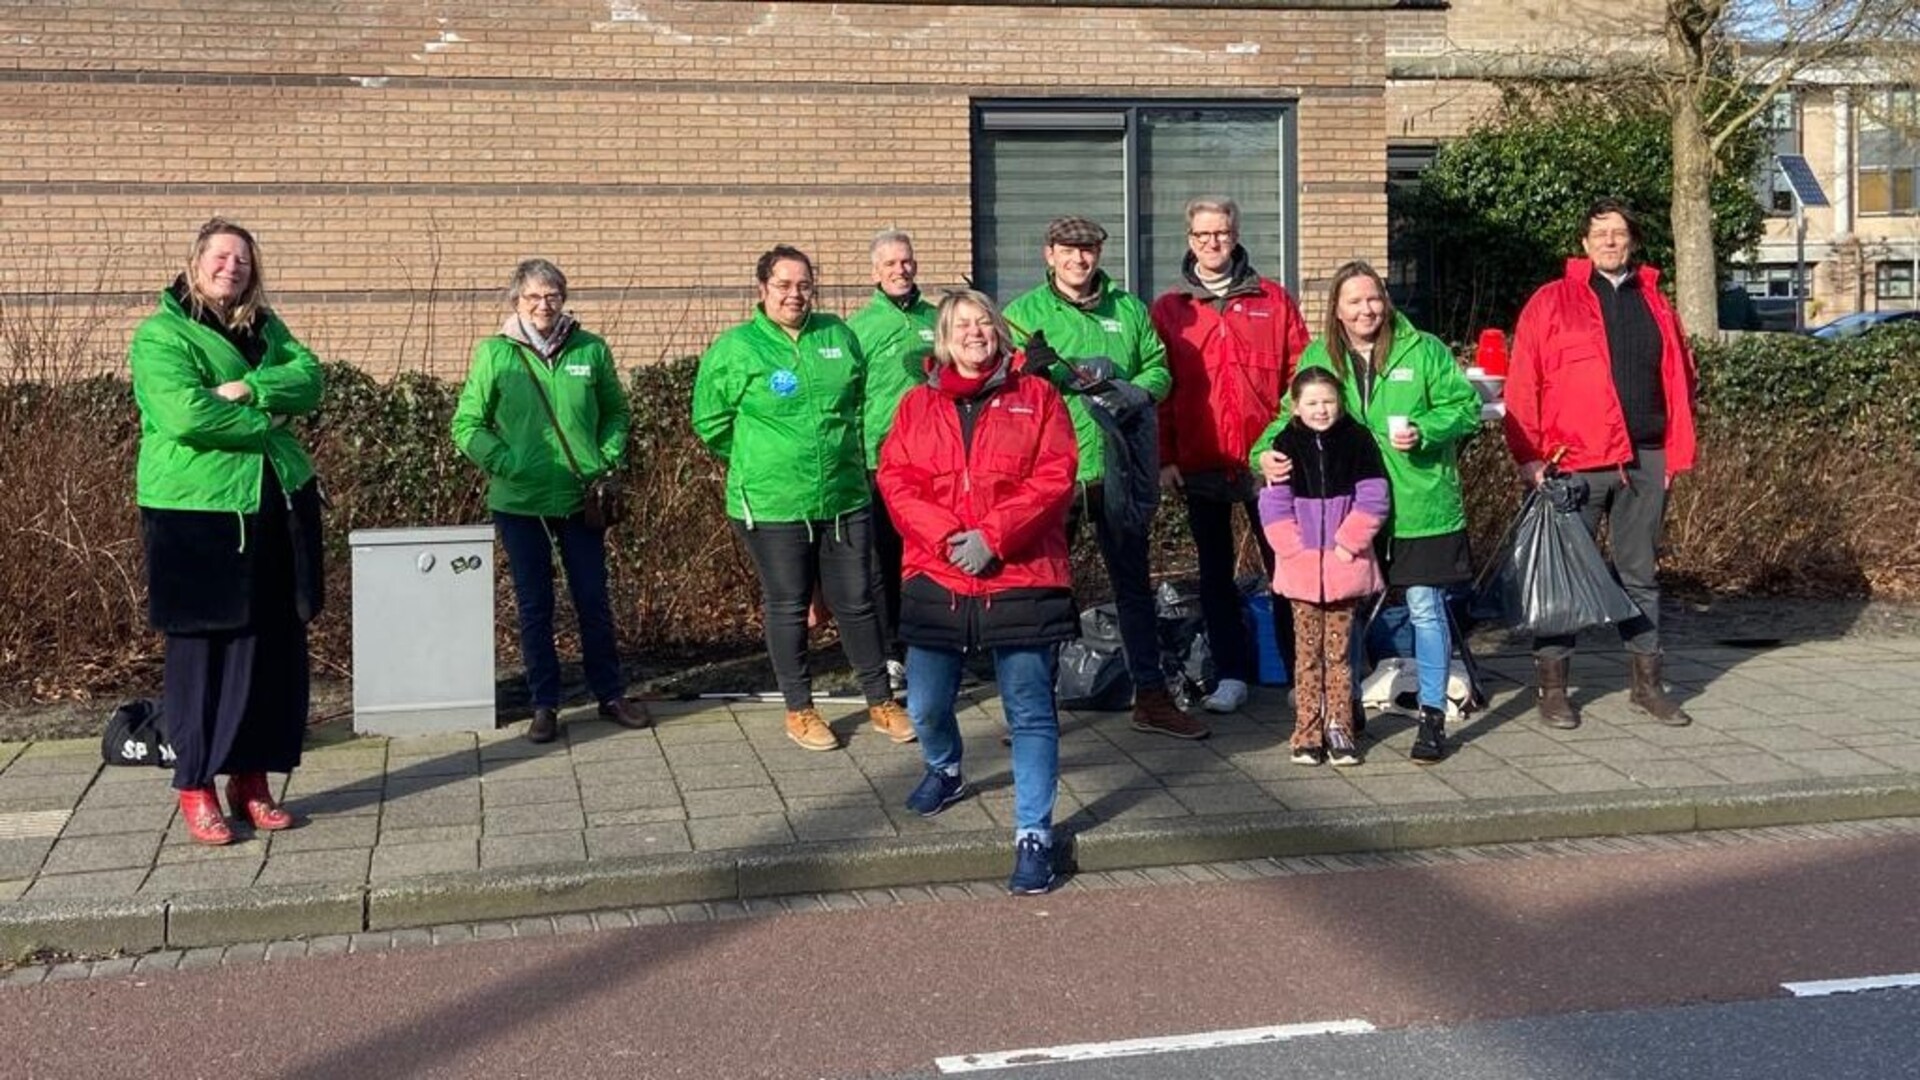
1217 236
544 299
804 288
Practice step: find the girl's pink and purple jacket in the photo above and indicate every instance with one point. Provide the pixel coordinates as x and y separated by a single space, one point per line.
1336 497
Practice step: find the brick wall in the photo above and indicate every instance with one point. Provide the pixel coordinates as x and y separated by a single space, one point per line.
1425 108
396 159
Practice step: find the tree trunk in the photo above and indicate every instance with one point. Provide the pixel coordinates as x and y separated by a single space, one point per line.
1696 279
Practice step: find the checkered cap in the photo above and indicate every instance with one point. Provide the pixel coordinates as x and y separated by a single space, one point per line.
1076 232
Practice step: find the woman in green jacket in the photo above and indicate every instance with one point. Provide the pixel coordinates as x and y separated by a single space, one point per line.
1406 388
778 400
544 415
230 518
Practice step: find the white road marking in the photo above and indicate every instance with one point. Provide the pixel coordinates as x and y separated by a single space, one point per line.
1823 987
1170 1044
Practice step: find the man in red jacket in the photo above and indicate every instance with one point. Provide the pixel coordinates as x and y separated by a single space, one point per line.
1601 384
1233 339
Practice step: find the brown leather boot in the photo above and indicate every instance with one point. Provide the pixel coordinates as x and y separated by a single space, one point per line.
1154 711
1650 693
1556 711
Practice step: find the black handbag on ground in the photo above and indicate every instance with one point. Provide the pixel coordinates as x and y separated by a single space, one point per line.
603 507
136 735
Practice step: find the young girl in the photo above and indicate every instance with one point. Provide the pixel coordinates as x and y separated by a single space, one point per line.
1321 522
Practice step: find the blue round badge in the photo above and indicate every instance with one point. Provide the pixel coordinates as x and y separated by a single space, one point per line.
784 383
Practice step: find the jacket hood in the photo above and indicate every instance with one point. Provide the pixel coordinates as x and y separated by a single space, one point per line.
1241 276
563 328
1581 271
1102 285
996 378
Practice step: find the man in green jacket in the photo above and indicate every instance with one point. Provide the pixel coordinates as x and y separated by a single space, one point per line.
1102 330
896 334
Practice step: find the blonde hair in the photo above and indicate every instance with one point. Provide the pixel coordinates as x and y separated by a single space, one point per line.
943 322
252 301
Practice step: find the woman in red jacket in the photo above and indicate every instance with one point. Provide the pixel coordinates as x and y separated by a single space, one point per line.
977 473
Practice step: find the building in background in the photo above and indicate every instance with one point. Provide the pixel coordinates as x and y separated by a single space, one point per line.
1859 130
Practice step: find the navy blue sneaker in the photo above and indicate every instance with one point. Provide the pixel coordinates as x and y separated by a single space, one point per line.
936 792
1032 868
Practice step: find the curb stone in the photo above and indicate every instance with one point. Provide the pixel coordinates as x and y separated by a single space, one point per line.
278 913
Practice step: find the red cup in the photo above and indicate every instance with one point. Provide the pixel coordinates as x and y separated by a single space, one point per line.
1490 355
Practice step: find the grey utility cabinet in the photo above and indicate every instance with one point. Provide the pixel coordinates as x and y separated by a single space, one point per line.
422 629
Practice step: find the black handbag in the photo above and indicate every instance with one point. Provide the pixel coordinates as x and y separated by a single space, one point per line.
136 735
603 507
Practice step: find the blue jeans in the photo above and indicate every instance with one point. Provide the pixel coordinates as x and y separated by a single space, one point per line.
1432 642
1026 694
583 553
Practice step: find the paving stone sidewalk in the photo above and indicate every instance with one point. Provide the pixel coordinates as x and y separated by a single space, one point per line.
1827 729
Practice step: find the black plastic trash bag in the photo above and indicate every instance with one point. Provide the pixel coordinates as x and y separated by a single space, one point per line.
136 734
1186 657
1093 672
1549 577
1093 677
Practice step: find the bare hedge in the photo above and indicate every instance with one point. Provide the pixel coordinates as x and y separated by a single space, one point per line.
1807 487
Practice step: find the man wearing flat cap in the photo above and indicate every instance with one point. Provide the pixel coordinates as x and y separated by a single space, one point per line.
1111 353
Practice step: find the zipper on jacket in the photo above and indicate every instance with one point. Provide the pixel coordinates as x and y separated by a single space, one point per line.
1320 444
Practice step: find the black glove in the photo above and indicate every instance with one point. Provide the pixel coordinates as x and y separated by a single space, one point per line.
1564 492
1121 396
1040 355
1091 375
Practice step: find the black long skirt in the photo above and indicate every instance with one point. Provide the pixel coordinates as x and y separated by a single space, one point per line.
237 702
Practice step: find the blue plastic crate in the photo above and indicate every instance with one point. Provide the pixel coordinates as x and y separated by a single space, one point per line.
1266 648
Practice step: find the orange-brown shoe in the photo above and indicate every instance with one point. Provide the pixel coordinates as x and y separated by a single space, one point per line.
804 726
248 796
1155 711
200 809
891 720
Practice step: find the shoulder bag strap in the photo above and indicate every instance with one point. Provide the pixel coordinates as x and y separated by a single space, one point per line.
540 391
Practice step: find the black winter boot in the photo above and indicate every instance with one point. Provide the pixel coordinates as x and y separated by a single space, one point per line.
1430 741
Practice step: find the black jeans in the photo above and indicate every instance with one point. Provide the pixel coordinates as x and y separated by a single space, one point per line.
886 570
791 557
1634 504
1210 516
1127 558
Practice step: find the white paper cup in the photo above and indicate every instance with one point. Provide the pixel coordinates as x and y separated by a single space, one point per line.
1397 425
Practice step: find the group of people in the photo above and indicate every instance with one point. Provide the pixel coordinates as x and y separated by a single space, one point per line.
921 469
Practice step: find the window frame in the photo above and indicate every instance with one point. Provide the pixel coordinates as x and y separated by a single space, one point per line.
1098 114
1890 101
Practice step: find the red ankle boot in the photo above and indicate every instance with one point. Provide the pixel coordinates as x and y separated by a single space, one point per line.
201 811
249 797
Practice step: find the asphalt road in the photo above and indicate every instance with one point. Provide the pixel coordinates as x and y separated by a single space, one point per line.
1869 1036
1464 965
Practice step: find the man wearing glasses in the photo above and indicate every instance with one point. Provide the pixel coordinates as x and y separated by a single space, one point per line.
1233 339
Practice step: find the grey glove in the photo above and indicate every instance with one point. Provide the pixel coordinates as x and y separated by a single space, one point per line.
1121 396
969 552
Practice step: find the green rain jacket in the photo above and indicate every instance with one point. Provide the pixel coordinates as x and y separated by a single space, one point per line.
895 342
1117 327
784 414
501 424
199 451
1423 382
